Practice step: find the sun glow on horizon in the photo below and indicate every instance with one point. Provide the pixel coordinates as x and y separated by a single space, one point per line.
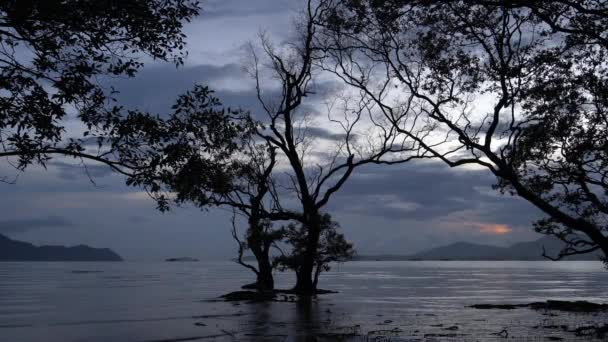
494 228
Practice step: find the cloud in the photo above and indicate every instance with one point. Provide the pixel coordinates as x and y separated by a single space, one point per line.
245 8
24 225
156 88
430 193
322 133
89 170
400 209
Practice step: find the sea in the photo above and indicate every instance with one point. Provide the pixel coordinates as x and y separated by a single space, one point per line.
375 301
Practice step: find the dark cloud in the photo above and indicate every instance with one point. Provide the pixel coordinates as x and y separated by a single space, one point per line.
89 171
245 8
322 133
425 191
28 224
156 88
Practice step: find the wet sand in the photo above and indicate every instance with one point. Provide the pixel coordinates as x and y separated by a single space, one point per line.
321 319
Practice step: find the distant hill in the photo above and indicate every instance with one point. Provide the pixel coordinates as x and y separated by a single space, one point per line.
12 250
532 250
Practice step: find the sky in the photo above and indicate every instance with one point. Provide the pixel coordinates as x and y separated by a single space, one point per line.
400 209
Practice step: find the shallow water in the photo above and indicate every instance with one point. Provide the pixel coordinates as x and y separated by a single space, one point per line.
172 301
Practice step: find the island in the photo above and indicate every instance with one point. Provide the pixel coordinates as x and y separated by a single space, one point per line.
12 250
181 259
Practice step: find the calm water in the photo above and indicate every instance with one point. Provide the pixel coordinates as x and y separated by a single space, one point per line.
172 301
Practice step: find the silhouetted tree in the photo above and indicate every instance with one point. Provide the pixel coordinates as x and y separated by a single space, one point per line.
516 87
313 178
52 53
231 169
332 247
257 201
259 239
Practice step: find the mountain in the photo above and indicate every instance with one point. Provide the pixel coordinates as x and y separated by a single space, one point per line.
462 251
532 250
12 250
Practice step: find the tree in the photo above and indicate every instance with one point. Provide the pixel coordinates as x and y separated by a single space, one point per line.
315 171
224 166
537 66
260 205
332 247
75 42
259 238
52 54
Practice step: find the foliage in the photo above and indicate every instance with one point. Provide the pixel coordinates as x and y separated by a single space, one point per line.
190 156
332 247
54 52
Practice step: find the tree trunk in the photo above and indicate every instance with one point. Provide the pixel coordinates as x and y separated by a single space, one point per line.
265 279
305 284
305 281
315 281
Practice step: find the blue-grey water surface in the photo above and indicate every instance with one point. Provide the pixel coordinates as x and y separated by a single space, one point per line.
132 301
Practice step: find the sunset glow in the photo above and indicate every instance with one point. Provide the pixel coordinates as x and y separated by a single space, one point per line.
494 228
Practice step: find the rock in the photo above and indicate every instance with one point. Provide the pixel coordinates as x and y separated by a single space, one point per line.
498 306
577 306
558 305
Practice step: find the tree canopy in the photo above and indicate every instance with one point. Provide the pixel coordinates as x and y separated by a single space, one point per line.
54 55
516 87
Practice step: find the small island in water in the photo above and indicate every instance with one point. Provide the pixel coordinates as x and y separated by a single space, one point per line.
181 259
12 250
